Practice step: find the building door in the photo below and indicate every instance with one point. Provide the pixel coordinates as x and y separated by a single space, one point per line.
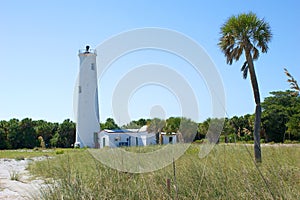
129 141
96 142
103 142
170 140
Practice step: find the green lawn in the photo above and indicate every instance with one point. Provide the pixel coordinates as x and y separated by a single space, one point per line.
25 153
228 172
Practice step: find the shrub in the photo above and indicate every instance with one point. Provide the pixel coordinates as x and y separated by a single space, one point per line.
272 142
291 142
18 158
60 151
198 141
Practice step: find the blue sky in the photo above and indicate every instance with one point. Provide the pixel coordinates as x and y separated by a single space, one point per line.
40 40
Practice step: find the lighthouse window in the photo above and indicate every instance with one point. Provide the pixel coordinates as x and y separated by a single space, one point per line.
79 89
92 66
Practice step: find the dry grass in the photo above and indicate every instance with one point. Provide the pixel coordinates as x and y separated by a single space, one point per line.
228 172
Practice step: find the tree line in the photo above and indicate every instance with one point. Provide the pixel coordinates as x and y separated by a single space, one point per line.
280 122
27 133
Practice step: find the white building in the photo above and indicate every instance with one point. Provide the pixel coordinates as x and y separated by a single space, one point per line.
119 138
170 138
87 116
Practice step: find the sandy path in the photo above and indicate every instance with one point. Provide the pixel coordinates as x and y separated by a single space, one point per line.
26 187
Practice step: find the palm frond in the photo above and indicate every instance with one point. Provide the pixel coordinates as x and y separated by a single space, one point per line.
237 52
244 69
287 73
255 53
293 83
244 66
245 73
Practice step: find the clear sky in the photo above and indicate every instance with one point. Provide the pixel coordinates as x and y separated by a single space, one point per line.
40 41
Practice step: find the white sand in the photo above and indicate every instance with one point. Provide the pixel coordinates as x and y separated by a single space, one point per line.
26 187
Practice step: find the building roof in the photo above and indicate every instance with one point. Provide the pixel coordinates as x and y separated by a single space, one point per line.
121 131
164 133
125 131
116 131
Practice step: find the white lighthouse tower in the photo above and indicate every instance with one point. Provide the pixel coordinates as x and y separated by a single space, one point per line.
87 116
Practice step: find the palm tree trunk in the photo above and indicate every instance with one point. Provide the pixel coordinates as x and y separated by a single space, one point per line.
256 133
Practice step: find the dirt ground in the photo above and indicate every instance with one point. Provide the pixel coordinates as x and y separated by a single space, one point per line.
24 186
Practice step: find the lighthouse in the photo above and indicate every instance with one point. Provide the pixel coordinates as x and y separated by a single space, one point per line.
87 116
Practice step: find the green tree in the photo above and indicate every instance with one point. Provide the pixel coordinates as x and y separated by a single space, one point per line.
3 141
109 124
142 122
172 125
247 33
293 126
135 124
65 135
237 125
4 144
280 115
67 131
28 134
21 134
46 129
203 128
188 129
13 136
227 131
242 127
54 141
248 126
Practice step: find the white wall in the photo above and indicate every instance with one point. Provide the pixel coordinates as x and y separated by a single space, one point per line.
104 141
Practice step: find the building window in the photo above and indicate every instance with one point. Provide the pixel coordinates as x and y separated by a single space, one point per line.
79 89
93 66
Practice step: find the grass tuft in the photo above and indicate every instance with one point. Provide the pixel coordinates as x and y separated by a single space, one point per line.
59 151
15 176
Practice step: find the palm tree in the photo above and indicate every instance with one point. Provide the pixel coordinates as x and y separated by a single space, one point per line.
249 34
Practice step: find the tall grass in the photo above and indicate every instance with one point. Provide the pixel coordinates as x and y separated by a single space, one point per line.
228 172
